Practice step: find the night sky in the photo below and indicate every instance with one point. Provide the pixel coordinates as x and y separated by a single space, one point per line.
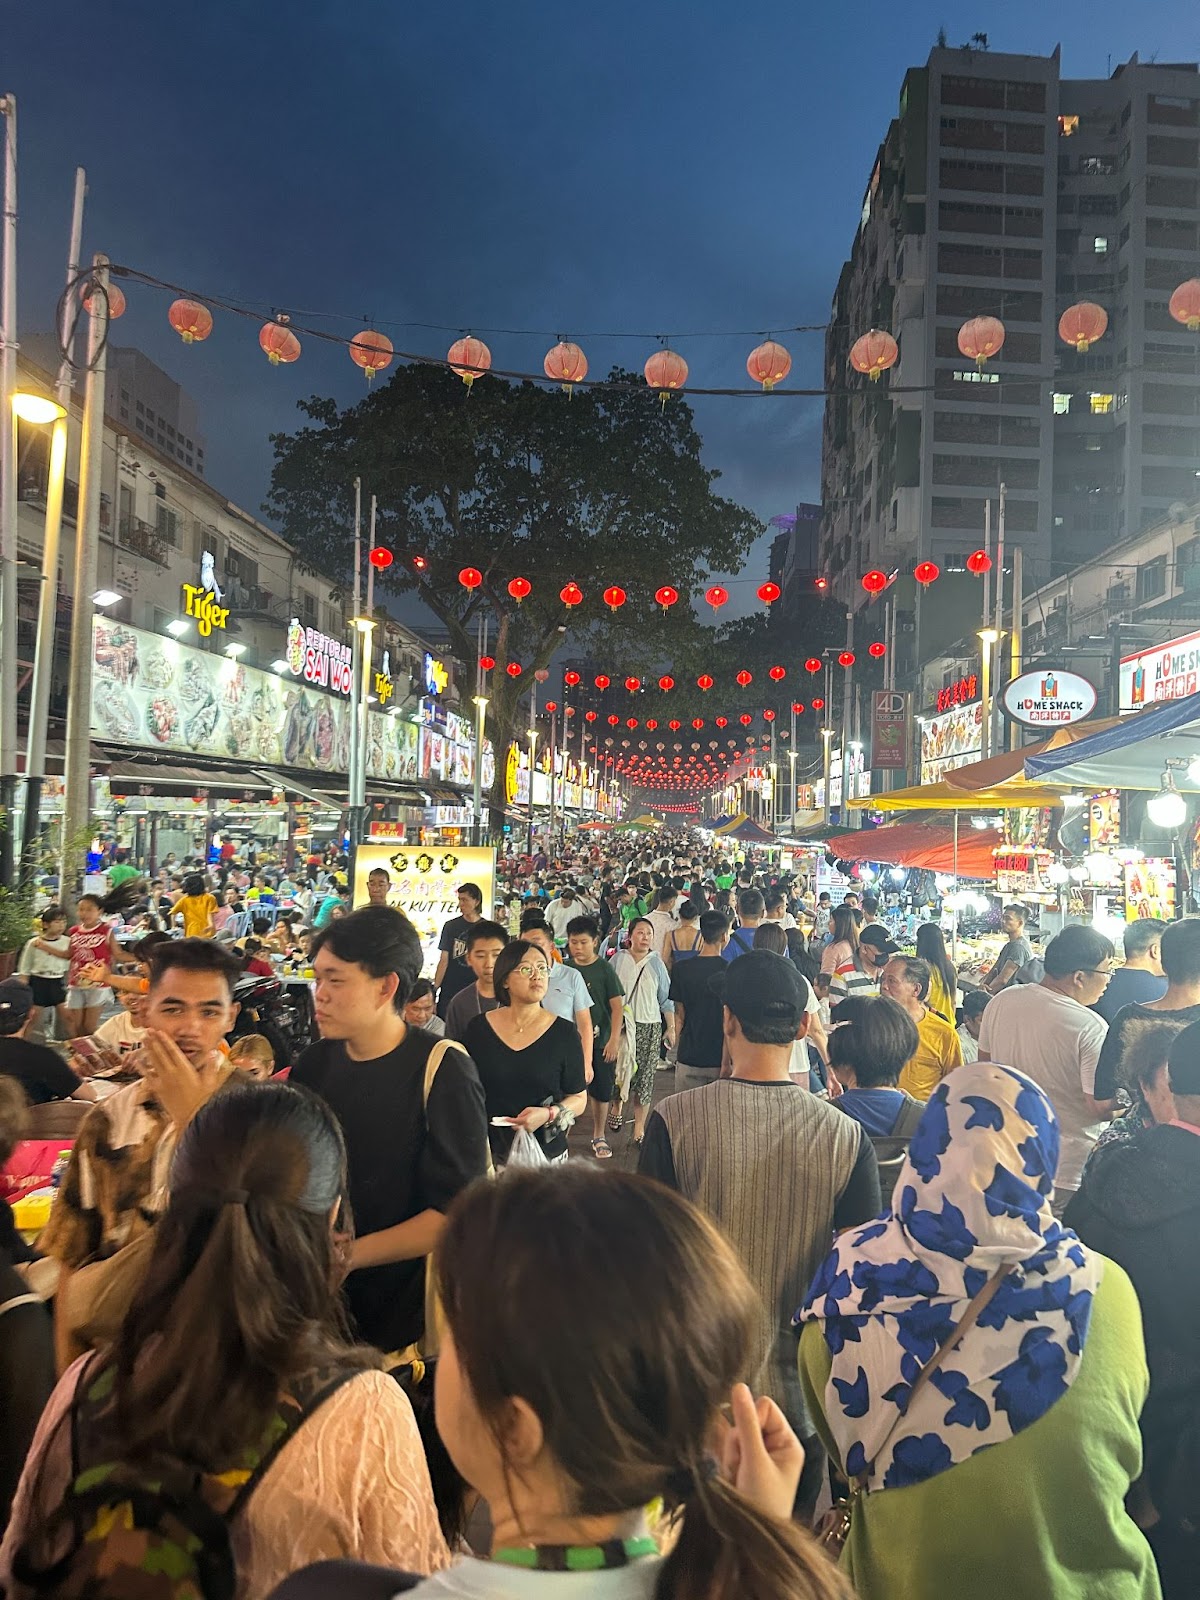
679 167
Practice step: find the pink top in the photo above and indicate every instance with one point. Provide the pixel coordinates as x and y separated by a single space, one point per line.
351 1484
89 945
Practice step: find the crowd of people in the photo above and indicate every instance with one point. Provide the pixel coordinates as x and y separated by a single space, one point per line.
887 1290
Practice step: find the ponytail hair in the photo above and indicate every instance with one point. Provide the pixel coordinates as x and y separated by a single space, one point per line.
241 1294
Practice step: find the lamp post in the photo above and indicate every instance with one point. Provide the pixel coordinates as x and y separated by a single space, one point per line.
481 705
8 492
987 638
827 739
532 754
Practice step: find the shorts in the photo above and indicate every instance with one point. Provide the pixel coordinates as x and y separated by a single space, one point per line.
47 991
604 1076
88 999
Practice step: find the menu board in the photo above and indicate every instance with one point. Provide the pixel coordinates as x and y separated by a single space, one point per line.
423 883
165 696
1150 889
952 740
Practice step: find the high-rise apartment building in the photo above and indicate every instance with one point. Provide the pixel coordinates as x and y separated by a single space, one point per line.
1004 189
152 406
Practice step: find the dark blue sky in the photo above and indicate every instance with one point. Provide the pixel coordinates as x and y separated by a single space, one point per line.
658 166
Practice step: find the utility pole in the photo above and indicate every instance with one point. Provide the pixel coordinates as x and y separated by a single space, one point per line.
43 660
8 497
77 799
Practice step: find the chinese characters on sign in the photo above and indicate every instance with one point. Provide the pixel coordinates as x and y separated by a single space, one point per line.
1168 672
957 694
1038 699
317 658
889 730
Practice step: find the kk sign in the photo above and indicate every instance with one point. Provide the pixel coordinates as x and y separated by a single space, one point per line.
1049 699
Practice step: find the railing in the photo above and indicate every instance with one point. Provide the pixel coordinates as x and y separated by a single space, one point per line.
143 540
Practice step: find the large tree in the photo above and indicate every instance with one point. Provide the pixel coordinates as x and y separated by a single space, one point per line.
606 487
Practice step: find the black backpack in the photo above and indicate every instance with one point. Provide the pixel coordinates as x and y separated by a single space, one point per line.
157 1530
892 1148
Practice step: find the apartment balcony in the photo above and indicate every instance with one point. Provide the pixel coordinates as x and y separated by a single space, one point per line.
143 539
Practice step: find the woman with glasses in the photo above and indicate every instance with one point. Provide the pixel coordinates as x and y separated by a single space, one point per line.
530 1062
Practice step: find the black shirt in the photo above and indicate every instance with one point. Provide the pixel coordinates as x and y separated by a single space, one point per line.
458 974
547 1070
698 985
41 1072
1109 1074
403 1158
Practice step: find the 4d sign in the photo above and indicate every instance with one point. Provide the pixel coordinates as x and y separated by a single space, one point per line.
1049 699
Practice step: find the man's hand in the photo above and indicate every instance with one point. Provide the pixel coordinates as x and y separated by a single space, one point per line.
612 1048
179 1087
532 1118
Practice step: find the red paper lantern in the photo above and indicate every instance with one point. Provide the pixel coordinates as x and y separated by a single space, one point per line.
470 577
768 363
1082 324
980 338
704 681
590 716
768 592
632 722
778 674
874 582
877 650
566 364
745 719
371 351
419 563
666 596
116 299
602 682
697 722
1185 305
542 675
818 705
513 669
487 662
768 715
722 722
614 597
666 682
380 558
716 596
191 321
874 353
571 678
813 664
745 678
798 707
551 705
469 358
568 711
979 562
674 724
633 684
652 722
570 595
927 572
846 659
613 720
279 344
666 371
519 588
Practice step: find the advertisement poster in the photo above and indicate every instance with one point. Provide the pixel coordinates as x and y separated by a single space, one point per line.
1104 820
424 884
890 720
1150 889
952 740
1169 672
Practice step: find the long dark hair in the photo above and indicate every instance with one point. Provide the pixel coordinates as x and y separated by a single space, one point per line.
931 947
627 1383
241 1294
844 924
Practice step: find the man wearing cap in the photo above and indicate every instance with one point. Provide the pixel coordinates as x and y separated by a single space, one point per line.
860 976
41 1072
1139 1204
777 1168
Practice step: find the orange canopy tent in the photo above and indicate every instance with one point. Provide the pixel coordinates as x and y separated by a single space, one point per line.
927 844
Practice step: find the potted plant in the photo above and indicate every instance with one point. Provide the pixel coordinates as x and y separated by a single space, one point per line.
16 926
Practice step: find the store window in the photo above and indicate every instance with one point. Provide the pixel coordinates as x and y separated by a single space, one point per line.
1067 126
1100 245
1101 404
1062 404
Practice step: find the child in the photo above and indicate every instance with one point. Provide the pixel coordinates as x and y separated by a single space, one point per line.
91 944
253 1055
44 961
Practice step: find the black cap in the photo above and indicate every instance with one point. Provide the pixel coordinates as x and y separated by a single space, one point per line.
876 934
16 1000
761 987
1183 1062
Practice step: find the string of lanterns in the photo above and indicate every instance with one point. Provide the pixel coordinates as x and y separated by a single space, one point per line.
614 597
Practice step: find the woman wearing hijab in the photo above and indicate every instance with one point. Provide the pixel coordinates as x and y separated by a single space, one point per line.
977 1373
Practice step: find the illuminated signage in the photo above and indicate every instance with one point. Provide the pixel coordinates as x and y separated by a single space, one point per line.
317 658
957 694
436 675
1049 698
383 680
1171 671
203 600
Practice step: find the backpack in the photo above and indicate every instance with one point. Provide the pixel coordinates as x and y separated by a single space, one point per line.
891 1149
158 1529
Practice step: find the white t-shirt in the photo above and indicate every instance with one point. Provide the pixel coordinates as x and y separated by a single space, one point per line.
559 913
1056 1042
120 1033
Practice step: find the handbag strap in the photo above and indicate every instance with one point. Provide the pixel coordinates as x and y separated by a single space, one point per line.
959 1331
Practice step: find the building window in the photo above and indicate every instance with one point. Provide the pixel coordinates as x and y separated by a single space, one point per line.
124 394
140 408
1101 404
1152 579
1067 126
976 377
125 413
1100 245
1062 404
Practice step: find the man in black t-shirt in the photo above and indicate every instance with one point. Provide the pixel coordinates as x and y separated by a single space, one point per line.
697 990
407 1157
41 1072
453 973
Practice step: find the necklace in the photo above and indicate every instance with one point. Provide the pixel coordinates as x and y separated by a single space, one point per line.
534 1016
576 1557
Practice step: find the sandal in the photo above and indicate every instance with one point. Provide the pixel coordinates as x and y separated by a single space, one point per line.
615 1124
638 1143
601 1150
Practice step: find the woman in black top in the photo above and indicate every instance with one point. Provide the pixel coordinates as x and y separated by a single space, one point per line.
530 1062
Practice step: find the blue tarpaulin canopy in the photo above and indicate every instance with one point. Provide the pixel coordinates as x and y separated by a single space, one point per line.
1130 755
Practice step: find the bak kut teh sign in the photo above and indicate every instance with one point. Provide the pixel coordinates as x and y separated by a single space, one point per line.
1049 699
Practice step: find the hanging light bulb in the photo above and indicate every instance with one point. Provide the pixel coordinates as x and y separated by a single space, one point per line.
1168 808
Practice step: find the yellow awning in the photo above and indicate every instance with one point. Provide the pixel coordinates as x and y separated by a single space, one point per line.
945 796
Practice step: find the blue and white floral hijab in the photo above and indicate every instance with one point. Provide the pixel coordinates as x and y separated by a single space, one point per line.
973 1196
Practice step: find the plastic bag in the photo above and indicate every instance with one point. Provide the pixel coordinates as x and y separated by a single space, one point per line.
526 1150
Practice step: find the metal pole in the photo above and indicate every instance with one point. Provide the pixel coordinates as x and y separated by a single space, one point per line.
77 808
1014 659
985 732
480 715
987 550
847 685
554 771
993 741
367 636
8 496
355 652
532 753
43 659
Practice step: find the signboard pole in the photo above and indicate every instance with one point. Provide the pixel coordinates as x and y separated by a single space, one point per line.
1015 637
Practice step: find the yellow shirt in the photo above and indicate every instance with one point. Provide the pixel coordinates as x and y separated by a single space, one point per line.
939 998
939 1052
197 911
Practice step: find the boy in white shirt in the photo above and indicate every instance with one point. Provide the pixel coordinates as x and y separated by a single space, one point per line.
43 964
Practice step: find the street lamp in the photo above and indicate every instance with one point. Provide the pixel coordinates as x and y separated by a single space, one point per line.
37 408
481 705
987 638
827 737
532 753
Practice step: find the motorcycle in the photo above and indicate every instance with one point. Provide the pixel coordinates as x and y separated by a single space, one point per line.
282 1013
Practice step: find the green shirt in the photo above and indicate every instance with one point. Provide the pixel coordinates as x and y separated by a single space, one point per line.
603 985
121 873
724 880
1039 1517
629 913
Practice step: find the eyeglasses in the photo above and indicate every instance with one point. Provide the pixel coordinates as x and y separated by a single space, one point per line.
1100 972
527 971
